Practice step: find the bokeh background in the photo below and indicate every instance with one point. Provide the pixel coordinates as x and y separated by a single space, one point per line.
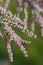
35 49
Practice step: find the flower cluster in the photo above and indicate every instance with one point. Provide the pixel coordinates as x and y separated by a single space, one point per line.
9 21
39 18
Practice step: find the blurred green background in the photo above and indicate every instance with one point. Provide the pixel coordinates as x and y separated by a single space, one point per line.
35 49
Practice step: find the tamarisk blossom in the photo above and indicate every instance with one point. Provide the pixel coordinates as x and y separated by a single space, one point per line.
15 37
18 41
2 10
9 20
36 11
9 50
20 24
40 21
